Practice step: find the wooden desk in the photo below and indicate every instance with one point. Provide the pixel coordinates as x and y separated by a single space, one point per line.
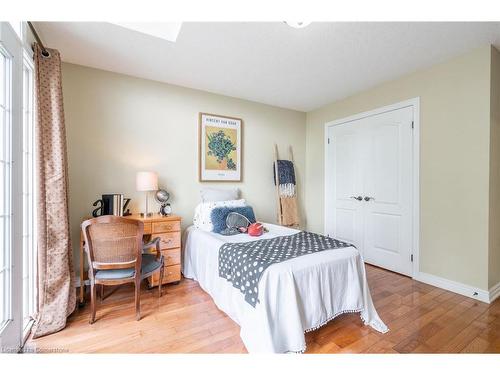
168 228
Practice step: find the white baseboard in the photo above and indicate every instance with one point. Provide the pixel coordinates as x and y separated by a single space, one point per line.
456 287
494 292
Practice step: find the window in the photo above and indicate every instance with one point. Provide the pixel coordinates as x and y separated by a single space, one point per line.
5 187
29 216
11 174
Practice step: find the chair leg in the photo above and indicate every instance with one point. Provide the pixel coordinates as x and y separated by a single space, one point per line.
92 302
101 292
162 270
137 298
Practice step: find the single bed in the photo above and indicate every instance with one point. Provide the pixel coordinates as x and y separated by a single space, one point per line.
295 296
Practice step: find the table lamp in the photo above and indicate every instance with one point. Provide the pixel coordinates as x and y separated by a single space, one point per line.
146 181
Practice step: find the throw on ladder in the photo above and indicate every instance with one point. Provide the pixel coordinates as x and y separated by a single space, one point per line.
286 190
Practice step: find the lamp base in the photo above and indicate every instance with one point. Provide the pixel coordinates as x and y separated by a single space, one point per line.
147 214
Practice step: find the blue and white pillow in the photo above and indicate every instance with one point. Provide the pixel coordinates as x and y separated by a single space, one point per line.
219 216
203 212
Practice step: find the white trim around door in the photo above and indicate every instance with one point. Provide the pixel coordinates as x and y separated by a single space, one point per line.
415 193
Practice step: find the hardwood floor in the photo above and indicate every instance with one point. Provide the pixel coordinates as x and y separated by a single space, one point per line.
421 318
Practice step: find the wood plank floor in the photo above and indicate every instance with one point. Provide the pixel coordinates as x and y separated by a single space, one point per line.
421 318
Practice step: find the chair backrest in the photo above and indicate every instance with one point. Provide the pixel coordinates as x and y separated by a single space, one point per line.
113 242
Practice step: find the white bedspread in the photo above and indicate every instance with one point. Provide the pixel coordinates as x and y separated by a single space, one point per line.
296 296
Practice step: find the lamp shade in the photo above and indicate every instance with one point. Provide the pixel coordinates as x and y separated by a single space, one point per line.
146 181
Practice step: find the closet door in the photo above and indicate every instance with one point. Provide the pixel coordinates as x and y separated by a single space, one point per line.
387 172
344 201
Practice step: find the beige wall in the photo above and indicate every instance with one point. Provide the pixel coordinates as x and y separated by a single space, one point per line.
494 238
454 161
118 125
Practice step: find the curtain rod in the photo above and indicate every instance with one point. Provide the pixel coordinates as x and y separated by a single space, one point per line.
38 40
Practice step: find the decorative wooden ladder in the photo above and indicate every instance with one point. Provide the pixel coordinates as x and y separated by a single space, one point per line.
288 210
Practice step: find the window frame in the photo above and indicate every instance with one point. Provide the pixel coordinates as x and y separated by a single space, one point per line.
11 332
6 215
30 305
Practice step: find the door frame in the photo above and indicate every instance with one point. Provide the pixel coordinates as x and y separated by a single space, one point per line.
415 184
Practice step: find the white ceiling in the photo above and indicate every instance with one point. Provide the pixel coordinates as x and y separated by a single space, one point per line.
270 63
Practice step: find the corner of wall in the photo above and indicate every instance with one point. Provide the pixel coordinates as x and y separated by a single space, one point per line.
494 183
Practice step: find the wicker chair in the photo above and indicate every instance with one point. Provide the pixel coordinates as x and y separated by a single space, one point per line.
115 255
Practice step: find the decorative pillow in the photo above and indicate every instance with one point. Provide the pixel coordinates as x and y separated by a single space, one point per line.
219 215
216 194
203 212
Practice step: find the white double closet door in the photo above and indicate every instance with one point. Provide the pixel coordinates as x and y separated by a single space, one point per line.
369 196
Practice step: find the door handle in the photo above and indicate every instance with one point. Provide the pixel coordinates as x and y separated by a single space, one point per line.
367 199
358 198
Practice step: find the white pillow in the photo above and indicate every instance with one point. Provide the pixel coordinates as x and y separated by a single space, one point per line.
203 212
211 194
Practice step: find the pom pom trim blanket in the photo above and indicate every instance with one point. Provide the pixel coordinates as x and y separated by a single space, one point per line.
295 295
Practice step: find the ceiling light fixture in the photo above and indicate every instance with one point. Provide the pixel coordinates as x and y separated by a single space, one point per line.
297 25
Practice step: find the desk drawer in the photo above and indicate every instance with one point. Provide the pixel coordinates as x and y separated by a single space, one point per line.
147 228
171 274
169 240
172 257
166 226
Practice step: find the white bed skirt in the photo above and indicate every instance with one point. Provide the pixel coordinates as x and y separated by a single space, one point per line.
295 296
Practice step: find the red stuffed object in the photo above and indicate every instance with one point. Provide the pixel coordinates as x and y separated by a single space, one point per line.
255 229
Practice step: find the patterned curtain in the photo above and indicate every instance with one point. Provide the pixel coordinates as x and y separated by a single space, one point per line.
56 279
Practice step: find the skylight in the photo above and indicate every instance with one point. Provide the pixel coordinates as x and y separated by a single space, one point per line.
164 30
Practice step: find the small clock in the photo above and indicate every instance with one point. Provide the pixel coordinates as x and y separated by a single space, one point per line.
166 209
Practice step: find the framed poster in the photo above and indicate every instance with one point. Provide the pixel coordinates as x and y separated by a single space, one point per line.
220 148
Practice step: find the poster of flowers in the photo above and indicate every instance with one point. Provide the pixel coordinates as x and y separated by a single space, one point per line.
219 148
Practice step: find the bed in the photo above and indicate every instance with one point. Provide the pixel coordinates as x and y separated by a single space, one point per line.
295 296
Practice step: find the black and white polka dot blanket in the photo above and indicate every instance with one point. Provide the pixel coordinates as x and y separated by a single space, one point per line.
243 263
